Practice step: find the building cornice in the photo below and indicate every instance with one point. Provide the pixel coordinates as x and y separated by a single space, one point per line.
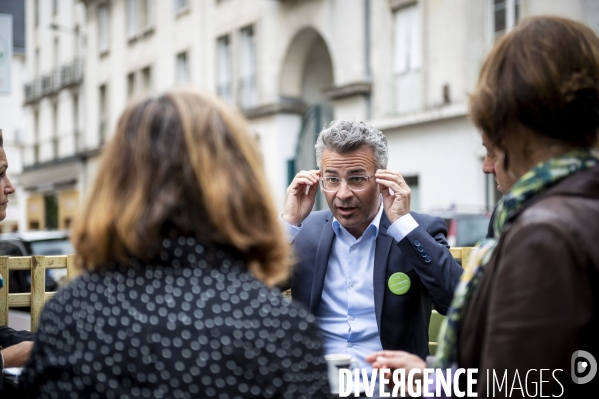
348 90
281 107
397 4
430 115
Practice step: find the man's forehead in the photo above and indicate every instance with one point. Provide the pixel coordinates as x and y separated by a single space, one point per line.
362 158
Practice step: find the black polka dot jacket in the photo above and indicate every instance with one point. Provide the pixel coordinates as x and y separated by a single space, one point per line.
194 323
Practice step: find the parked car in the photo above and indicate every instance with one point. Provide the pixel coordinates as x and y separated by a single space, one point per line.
35 243
465 230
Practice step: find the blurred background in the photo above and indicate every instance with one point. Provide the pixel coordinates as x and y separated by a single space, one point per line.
69 67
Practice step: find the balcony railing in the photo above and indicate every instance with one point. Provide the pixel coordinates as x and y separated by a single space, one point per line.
47 86
71 73
67 75
53 148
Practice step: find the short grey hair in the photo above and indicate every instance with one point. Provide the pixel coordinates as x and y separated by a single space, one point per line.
347 135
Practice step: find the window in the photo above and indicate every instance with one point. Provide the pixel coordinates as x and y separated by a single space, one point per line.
181 4
51 213
76 138
139 81
224 70
36 134
144 13
55 130
131 13
130 85
182 68
407 61
103 114
412 182
37 61
55 55
146 79
505 15
139 16
103 27
36 12
248 90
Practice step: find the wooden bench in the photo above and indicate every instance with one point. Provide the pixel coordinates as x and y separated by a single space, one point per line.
38 296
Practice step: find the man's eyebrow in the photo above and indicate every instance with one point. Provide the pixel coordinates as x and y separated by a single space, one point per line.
357 170
331 171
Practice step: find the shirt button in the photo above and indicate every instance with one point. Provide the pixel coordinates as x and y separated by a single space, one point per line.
351 318
350 344
351 284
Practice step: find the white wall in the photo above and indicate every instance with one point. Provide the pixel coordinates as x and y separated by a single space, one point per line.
277 137
446 156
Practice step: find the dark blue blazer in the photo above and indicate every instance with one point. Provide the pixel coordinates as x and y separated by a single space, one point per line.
402 319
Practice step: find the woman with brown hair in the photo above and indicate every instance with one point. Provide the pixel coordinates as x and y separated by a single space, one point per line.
180 242
527 303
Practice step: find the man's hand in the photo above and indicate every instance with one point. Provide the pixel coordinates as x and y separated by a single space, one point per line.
298 203
17 355
396 360
397 204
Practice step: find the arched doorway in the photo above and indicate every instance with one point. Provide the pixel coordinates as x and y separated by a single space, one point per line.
307 72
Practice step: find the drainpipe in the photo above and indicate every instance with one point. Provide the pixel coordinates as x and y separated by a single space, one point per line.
367 56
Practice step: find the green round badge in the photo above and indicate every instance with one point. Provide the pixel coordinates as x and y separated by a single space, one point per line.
399 283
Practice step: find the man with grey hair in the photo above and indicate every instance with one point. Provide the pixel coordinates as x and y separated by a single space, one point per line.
368 268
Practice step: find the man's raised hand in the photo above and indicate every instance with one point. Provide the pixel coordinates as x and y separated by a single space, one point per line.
300 197
397 204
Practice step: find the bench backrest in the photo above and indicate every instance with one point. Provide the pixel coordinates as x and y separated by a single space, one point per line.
461 254
38 296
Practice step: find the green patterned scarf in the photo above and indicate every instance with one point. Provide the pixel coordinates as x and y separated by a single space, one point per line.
532 183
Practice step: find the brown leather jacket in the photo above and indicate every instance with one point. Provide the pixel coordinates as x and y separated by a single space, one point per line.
538 300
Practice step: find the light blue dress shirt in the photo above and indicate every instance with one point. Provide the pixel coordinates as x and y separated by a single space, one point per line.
346 313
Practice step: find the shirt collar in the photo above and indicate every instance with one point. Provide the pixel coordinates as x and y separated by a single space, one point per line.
373 226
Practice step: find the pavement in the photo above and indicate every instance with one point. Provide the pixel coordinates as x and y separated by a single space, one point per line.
19 320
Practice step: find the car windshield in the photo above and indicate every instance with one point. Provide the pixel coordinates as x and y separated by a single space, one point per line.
52 247
472 229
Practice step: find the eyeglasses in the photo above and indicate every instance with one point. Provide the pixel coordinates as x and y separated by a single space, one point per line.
355 183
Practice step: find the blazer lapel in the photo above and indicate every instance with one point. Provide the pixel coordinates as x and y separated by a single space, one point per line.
325 244
381 257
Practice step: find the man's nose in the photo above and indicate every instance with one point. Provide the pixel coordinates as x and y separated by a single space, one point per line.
344 191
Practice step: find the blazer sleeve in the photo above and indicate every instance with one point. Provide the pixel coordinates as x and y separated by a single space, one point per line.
427 250
9 337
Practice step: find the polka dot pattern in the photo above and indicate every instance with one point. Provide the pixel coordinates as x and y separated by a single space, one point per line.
194 324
